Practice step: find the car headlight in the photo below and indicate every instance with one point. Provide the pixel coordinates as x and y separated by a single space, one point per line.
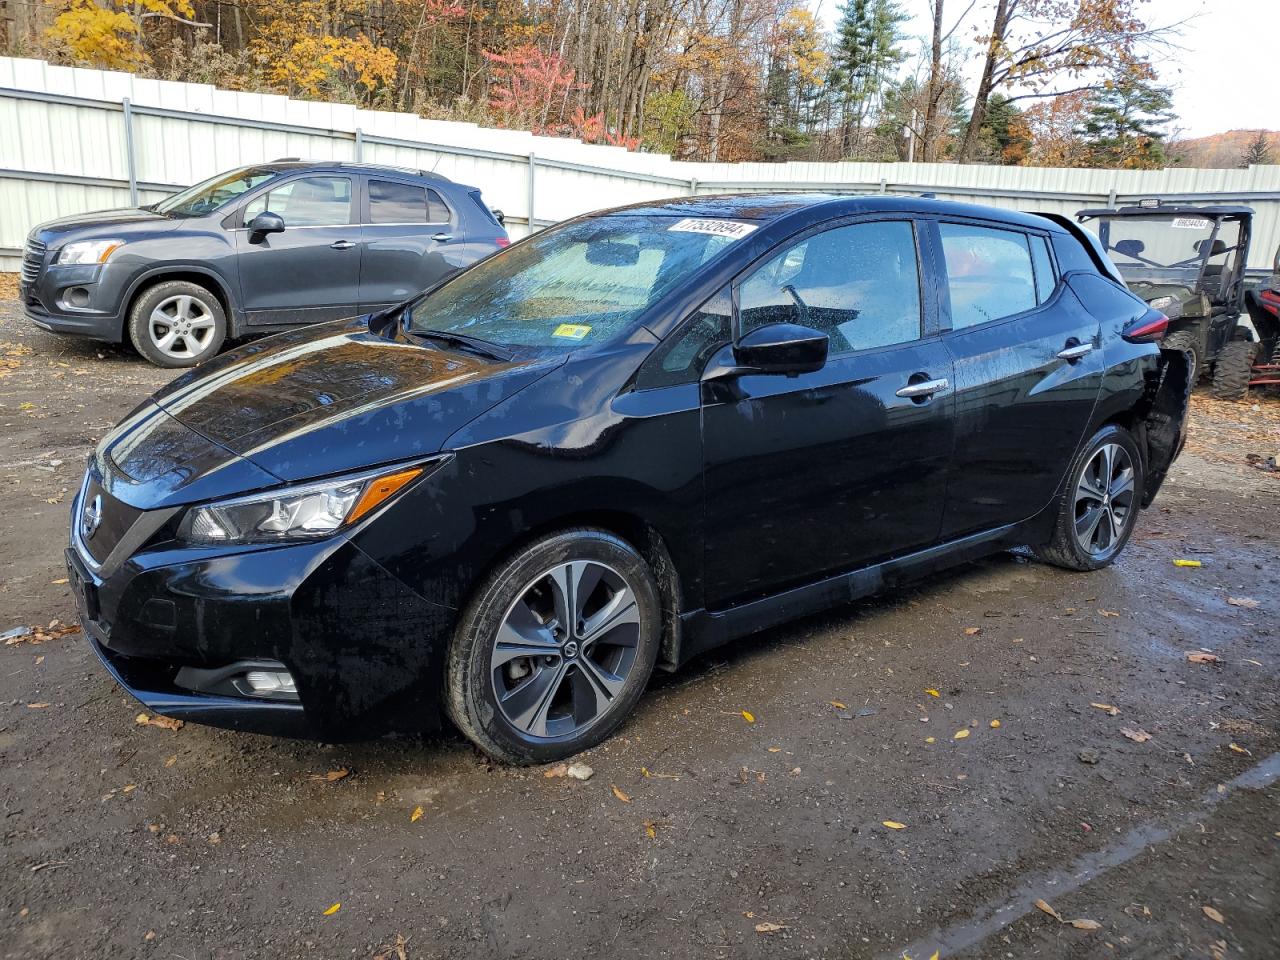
306 512
88 251
1171 307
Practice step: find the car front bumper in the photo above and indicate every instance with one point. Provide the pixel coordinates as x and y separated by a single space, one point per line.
366 653
85 300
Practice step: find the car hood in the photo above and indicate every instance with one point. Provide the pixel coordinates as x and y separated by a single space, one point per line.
126 220
338 397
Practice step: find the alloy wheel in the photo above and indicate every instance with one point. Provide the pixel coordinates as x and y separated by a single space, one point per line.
181 327
564 649
1104 505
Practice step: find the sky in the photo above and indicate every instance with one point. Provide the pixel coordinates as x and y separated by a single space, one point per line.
1224 77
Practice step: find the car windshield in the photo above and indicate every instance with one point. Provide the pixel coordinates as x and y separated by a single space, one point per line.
581 283
217 192
1166 249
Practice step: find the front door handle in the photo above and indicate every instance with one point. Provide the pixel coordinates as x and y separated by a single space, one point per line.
1074 352
442 237
926 388
341 245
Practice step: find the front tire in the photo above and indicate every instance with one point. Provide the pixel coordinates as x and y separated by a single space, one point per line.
1099 507
177 324
1232 370
555 649
1188 343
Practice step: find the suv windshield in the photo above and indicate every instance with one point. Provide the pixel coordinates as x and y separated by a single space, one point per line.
217 192
584 282
1166 249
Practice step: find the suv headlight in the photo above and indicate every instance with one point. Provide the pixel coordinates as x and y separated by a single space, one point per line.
88 251
306 512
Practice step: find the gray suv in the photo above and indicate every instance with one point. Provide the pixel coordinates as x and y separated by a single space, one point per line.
253 250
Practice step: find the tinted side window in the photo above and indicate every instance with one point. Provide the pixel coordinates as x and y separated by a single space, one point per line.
681 357
1105 300
308 202
1046 280
860 285
989 273
394 202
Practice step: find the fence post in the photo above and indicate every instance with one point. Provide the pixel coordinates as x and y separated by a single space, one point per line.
693 186
130 161
1111 198
359 144
533 165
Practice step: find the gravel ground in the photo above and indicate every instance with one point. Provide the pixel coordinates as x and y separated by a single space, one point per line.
701 834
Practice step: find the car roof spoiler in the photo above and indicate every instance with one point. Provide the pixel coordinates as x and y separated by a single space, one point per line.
1087 240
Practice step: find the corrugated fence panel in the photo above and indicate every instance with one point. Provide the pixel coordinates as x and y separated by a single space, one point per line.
66 151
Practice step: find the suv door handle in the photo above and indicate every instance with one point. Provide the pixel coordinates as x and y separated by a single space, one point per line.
1074 352
925 389
442 237
341 245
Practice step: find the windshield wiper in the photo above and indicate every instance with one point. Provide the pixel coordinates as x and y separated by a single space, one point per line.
474 344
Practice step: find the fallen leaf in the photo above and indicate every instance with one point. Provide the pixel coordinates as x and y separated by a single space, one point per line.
995 724
1106 708
1044 905
1197 656
619 794
1082 924
750 718
215 838
1213 914
932 692
960 734
164 723
894 824
394 951
58 583
1137 736
1236 748
559 770
129 788
972 631
171 761
416 815
37 706
650 829
334 909
930 739
837 704
1186 563
1108 613
771 927
1247 602
775 749
331 776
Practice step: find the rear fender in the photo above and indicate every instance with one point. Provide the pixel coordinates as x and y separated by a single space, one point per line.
1166 402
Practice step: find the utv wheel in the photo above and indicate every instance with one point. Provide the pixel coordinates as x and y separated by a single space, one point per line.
1099 507
1231 372
555 649
1187 342
177 324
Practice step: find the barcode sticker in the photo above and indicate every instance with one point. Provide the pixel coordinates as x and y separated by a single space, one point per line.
719 228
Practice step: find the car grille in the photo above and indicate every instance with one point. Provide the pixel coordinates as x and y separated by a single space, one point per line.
32 260
116 519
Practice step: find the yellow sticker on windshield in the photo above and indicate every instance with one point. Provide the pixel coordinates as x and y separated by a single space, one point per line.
572 331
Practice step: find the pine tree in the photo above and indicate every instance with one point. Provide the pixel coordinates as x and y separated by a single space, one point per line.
1257 152
1124 124
866 53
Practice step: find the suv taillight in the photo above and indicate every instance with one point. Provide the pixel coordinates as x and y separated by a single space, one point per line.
1148 328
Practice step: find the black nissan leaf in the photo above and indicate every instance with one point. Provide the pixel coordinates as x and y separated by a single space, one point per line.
614 445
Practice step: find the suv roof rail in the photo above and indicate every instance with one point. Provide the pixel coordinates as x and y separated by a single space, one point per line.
287 160
416 171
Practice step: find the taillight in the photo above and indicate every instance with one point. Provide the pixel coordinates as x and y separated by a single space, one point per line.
1270 300
1148 328
504 241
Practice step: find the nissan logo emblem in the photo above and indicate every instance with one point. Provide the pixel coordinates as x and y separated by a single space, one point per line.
91 517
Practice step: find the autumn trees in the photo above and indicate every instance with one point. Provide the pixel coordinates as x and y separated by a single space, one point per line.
991 81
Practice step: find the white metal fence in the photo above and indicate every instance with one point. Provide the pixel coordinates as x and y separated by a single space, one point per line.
75 140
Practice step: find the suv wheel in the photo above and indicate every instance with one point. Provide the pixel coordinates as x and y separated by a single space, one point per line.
177 324
555 649
1097 512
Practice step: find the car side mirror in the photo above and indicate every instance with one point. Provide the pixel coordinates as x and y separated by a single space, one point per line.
267 222
786 348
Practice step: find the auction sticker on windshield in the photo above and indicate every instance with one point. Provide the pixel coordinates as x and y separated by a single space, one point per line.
1192 223
719 228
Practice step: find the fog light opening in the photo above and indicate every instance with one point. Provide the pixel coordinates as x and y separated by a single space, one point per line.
266 683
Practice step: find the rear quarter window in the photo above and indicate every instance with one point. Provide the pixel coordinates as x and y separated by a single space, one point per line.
1106 300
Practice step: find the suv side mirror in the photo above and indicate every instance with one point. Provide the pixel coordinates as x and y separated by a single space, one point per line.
267 222
785 348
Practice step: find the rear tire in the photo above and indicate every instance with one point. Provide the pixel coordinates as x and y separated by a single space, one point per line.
524 685
1099 506
1187 342
177 324
1231 372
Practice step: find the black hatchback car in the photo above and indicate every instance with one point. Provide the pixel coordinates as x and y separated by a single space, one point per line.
617 444
253 250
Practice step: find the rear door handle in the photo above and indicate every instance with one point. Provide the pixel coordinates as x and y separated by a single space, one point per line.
925 389
1075 352
341 245
442 237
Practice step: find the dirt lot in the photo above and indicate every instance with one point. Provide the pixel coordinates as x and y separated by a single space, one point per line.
702 833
